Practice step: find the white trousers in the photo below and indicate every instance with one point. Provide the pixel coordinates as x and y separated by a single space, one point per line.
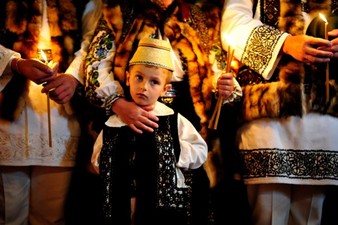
33 195
283 204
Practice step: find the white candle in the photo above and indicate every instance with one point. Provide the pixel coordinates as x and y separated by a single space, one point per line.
327 71
44 57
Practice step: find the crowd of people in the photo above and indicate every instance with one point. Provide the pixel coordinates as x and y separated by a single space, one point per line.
113 124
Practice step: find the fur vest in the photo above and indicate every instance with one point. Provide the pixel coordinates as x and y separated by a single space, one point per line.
20 31
192 37
23 26
296 88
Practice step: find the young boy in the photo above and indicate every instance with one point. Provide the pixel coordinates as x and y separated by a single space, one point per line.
148 167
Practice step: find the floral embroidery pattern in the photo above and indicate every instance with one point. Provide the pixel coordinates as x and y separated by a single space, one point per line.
293 164
99 49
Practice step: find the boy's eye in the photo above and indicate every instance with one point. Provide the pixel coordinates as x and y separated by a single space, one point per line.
154 82
138 77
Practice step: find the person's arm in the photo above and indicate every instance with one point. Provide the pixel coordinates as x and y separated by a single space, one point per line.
228 87
264 45
109 92
63 87
305 49
194 149
6 59
91 15
95 74
239 25
334 34
34 70
137 118
7 56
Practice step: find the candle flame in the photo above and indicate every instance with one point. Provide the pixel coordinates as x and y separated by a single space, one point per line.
43 55
322 17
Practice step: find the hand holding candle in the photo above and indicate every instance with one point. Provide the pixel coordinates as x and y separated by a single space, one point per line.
217 111
45 60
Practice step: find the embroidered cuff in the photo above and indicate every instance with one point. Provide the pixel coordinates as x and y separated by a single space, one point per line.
109 101
235 96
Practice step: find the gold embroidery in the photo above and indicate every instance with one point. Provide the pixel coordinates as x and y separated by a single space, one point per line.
260 47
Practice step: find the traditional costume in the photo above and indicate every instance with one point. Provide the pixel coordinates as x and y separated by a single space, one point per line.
35 164
287 131
149 166
193 32
23 108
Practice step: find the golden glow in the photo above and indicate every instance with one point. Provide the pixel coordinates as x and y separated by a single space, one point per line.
231 42
322 17
43 55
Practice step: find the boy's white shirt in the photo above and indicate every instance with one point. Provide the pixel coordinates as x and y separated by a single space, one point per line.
193 152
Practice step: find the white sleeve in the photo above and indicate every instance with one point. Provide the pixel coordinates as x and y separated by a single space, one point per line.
108 86
90 18
6 56
238 24
194 149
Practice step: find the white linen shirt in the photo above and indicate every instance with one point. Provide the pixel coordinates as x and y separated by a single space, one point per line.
311 132
194 149
24 141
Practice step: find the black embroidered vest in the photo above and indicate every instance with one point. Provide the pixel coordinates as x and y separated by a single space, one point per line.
144 166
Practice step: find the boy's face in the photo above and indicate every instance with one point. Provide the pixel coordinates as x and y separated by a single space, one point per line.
147 83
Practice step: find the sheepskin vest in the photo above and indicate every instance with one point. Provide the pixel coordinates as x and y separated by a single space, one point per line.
192 31
20 31
295 88
23 27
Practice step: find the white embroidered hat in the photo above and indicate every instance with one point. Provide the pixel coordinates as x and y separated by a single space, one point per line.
155 52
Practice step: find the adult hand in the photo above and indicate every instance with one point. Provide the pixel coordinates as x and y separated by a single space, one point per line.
34 70
308 49
334 48
225 85
138 119
61 88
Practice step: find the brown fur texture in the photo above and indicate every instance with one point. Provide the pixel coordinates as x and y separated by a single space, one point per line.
287 95
23 27
127 28
184 40
25 19
275 99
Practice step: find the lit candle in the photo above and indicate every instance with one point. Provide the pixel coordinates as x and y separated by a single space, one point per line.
45 55
45 60
217 111
327 72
